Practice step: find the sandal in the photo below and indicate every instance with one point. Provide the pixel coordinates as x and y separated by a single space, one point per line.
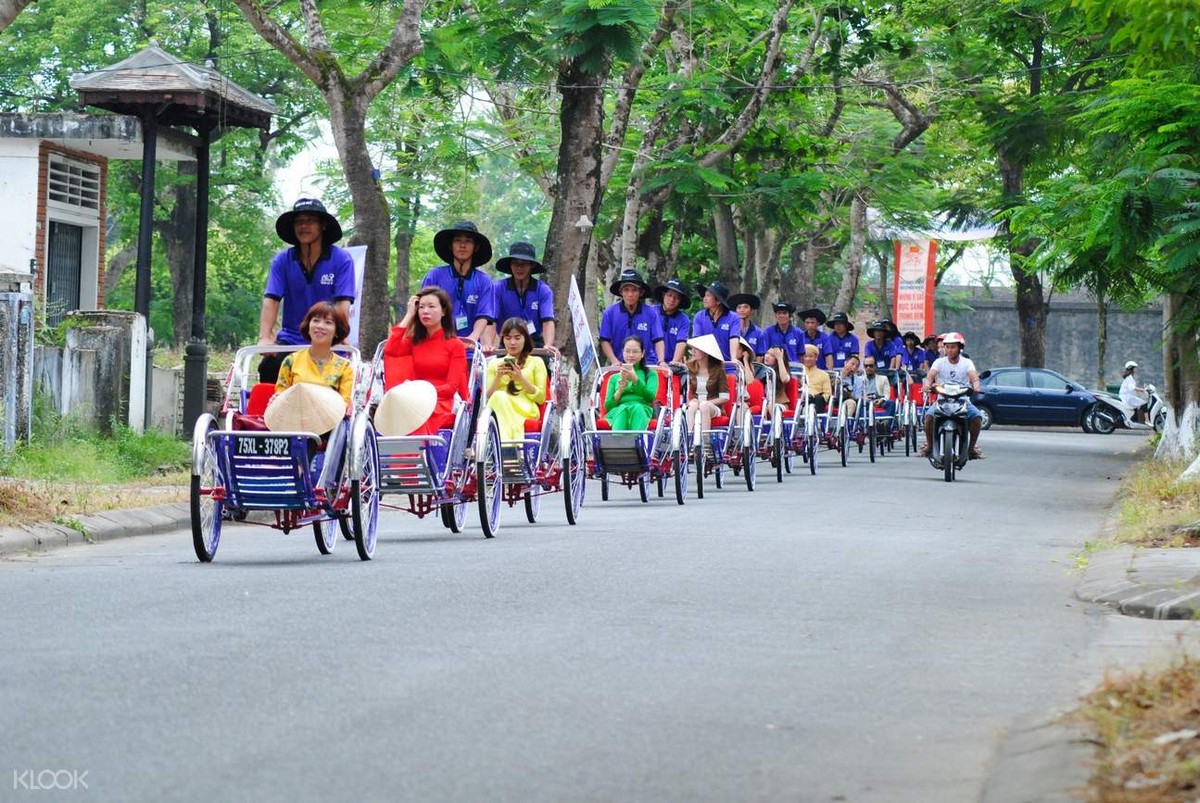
975 453
923 451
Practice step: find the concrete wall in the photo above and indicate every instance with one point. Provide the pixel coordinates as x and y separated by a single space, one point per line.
16 368
990 327
18 203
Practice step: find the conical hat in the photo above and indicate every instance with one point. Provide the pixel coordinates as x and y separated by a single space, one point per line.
707 344
305 407
405 407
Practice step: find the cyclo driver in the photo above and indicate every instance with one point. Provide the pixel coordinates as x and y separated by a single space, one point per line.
957 369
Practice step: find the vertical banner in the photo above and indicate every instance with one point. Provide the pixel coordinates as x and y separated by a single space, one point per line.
359 254
912 293
585 347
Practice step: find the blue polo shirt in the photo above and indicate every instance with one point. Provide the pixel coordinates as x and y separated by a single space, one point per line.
332 280
821 341
471 296
911 361
533 306
724 328
618 323
675 329
788 340
756 336
882 357
841 347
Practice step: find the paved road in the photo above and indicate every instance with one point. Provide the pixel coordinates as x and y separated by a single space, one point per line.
867 635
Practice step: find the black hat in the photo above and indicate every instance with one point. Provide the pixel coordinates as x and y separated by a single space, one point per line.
744 298
891 325
675 286
784 306
840 317
285 224
523 251
884 326
443 239
628 276
812 313
930 339
718 289
913 336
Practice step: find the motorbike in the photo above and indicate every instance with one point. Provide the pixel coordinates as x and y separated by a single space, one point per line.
951 434
1110 412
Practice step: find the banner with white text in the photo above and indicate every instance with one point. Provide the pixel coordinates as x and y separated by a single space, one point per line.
913 285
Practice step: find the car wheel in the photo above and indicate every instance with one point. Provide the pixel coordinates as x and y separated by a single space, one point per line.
986 413
1085 420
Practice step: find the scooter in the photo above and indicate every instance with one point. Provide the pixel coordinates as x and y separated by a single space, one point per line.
951 433
1110 413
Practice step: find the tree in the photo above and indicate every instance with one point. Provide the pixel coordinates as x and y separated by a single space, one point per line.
9 9
348 98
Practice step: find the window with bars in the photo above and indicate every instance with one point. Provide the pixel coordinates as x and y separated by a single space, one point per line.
73 184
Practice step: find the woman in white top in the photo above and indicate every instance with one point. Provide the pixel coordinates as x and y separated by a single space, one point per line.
1132 394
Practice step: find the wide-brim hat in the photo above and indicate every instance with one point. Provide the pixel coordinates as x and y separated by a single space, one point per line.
1130 364
840 317
305 407
878 326
930 339
523 251
443 239
628 276
675 286
707 344
744 298
285 224
913 336
891 326
784 306
718 289
812 312
405 408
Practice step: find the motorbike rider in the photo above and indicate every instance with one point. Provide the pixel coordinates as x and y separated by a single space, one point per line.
1132 394
953 367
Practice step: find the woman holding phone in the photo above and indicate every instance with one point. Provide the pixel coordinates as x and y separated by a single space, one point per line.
516 381
629 403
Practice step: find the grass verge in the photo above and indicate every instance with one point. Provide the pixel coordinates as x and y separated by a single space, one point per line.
1159 509
70 469
1147 727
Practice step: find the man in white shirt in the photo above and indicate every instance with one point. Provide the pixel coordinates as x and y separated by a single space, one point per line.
957 369
1132 394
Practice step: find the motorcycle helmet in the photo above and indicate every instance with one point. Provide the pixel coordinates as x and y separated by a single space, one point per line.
1131 364
954 337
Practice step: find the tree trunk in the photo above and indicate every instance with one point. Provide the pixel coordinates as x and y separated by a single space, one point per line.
649 247
1101 338
9 9
854 255
372 223
802 259
581 120
725 234
1030 301
178 235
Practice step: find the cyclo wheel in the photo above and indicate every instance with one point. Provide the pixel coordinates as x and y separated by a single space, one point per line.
844 443
643 484
533 505
205 510
948 457
574 475
699 459
454 516
750 466
679 468
364 497
777 458
325 533
604 487
489 487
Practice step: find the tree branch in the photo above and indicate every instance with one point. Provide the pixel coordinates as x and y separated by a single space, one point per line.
281 40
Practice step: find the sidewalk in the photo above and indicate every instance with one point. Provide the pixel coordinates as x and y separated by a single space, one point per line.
43 535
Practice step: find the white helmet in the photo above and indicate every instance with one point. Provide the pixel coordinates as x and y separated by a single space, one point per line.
954 337
1131 364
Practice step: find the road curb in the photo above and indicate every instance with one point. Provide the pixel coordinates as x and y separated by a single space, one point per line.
1149 583
1040 761
93 528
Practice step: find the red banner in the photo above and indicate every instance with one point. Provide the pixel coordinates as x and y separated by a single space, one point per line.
912 288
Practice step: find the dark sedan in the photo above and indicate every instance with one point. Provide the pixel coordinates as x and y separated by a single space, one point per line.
1032 396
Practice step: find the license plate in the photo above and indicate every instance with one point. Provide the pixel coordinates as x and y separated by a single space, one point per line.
264 447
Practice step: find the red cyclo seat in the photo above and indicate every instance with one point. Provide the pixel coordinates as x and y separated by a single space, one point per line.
755 391
260 396
660 399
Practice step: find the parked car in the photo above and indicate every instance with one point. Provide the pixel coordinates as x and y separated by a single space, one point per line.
1033 396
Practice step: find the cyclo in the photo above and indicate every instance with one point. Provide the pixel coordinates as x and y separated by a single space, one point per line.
239 466
635 458
801 431
552 457
448 470
770 421
730 442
